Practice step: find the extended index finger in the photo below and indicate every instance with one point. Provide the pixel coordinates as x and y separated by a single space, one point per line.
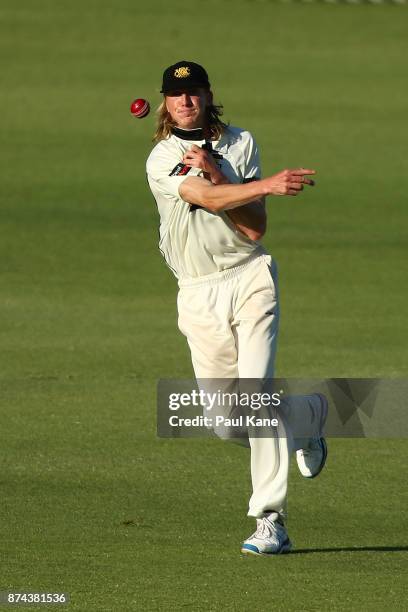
302 171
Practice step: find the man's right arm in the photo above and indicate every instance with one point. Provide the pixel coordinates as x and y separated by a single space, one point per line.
198 190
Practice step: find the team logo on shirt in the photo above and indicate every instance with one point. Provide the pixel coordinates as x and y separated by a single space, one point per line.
180 170
182 72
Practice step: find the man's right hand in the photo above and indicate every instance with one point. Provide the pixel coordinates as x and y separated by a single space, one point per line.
201 158
288 182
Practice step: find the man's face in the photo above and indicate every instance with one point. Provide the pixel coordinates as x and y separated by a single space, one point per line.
187 107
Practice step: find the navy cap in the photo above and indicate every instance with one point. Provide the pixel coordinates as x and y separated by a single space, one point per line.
184 75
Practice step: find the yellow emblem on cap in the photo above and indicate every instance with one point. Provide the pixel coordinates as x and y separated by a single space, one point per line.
182 73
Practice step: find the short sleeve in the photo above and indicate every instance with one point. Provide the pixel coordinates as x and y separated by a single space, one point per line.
165 173
252 162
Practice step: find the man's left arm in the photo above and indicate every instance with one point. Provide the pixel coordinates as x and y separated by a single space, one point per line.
250 219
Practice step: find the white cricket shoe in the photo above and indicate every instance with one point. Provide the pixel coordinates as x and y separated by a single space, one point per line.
311 460
270 538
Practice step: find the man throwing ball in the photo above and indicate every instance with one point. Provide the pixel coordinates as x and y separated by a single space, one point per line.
206 179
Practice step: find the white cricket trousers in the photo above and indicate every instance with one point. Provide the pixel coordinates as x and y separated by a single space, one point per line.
230 320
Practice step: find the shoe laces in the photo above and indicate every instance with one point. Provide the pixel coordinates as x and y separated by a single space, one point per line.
265 528
314 445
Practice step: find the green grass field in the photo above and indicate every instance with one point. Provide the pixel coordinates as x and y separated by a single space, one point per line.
92 502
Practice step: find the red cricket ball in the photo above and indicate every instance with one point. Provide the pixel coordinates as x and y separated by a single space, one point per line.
140 108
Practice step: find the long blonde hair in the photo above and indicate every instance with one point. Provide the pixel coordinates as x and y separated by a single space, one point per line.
165 122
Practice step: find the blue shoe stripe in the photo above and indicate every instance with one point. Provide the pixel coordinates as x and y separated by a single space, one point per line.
250 547
323 447
284 548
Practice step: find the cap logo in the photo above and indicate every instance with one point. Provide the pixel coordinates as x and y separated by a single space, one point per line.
182 73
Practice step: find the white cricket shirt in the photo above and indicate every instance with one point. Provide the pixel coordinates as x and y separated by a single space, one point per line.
194 241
